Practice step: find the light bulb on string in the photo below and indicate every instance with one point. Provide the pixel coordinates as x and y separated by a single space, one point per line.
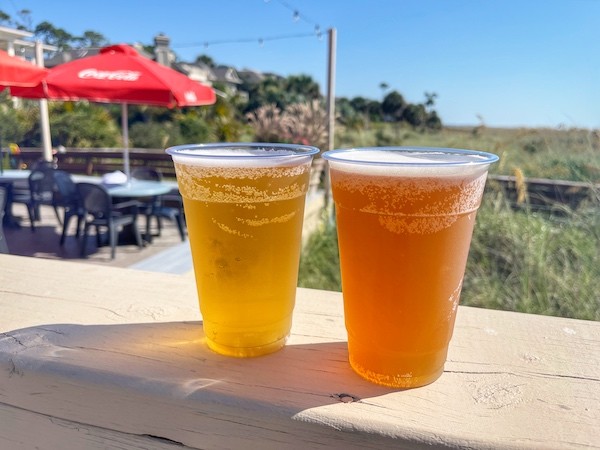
261 42
296 16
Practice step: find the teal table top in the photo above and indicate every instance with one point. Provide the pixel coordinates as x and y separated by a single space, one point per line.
140 188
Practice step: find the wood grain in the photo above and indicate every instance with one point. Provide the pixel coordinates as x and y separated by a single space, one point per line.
121 353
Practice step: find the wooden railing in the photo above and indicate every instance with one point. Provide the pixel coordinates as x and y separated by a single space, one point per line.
92 356
534 193
542 194
98 161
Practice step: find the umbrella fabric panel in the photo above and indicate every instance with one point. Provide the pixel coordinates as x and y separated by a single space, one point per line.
17 72
120 75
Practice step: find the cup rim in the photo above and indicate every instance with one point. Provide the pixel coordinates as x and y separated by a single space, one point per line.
274 150
478 157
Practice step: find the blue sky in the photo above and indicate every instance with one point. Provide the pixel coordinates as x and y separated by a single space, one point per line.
504 62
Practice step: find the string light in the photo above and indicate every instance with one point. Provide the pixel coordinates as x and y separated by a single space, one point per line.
296 16
260 41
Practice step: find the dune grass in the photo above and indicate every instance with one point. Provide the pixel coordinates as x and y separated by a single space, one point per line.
520 260
564 154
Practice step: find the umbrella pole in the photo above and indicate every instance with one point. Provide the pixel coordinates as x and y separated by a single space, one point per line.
44 119
125 131
1 154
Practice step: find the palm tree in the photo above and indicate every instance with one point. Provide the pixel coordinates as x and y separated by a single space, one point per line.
430 99
384 87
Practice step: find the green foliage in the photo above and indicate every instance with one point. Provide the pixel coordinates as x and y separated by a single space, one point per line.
154 135
222 117
12 128
415 115
433 121
82 124
393 106
194 128
385 138
319 262
282 92
161 128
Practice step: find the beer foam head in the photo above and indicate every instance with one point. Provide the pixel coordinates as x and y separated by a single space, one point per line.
410 161
242 154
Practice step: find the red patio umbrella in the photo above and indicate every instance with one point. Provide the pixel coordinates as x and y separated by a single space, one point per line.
18 72
119 74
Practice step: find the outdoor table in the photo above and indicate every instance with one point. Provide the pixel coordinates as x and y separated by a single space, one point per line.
12 175
94 356
134 189
140 189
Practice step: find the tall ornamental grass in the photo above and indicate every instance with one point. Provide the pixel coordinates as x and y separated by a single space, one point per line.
562 154
535 263
519 261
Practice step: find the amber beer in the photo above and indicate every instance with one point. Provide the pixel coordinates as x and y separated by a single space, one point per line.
404 220
244 206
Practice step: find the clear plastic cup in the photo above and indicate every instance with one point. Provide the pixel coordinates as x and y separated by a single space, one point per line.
244 207
405 218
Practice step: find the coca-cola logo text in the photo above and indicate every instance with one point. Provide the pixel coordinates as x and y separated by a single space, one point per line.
190 96
116 75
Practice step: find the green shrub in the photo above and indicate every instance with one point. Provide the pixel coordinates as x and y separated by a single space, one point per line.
154 135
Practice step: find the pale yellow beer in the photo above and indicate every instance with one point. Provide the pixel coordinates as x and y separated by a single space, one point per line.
244 209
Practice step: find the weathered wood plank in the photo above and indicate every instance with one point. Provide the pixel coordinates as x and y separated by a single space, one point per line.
544 194
122 350
29 430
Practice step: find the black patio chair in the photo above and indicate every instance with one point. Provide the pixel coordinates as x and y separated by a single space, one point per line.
41 192
166 206
102 212
3 245
170 207
66 196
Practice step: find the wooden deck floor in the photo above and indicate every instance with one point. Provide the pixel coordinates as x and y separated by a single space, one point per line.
44 242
